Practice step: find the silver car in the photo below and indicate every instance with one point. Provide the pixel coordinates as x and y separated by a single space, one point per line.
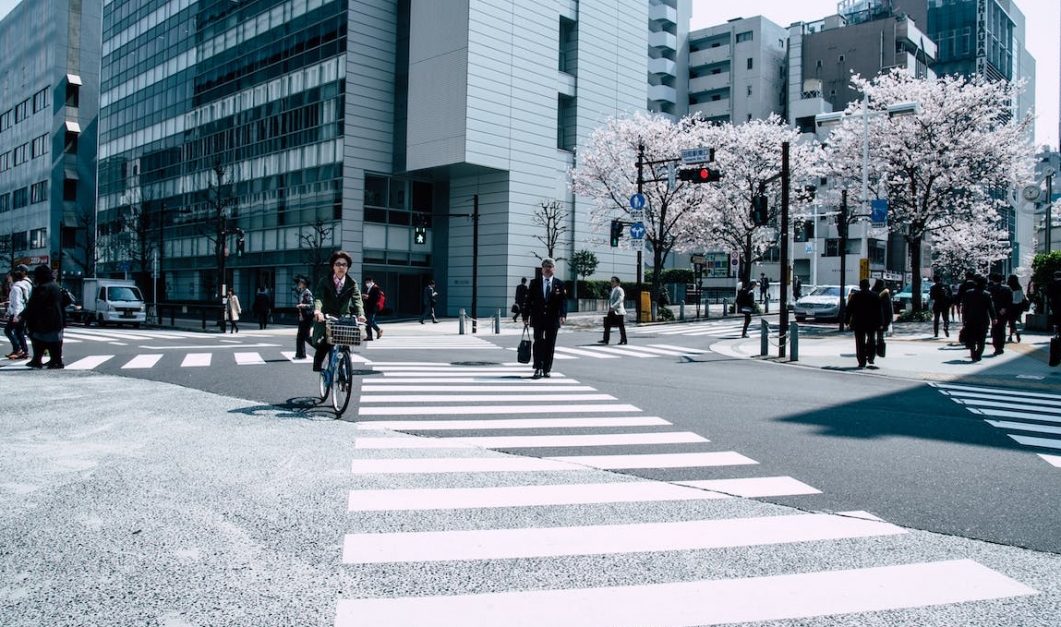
822 303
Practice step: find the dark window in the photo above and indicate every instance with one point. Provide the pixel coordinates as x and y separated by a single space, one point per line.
751 63
73 95
69 190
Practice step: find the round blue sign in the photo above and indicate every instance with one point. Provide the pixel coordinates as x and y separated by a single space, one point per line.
637 202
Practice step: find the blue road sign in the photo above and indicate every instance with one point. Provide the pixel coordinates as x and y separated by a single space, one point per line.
637 230
637 202
878 211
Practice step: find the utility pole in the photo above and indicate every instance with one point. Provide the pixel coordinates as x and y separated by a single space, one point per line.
841 227
640 188
783 330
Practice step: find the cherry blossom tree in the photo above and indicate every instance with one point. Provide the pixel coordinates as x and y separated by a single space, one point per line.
947 164
975 244
606 173
749 156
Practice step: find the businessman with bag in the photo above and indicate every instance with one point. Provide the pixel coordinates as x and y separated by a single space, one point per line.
546 313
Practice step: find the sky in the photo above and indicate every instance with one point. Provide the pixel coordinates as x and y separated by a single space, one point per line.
1043 37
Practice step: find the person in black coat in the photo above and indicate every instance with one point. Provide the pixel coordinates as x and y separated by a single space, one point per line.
1053 299
44 319
863 317
520 307
1002 299
745 304
546 313
978 314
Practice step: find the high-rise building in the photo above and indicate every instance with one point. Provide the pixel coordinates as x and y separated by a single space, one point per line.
668 35
305 126
49 77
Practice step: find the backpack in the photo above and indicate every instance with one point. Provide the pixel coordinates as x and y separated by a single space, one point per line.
382 299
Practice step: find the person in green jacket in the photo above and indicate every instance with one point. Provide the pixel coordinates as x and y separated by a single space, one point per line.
336 295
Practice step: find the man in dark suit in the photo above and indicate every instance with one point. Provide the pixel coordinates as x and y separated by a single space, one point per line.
978 315
546 313
864 318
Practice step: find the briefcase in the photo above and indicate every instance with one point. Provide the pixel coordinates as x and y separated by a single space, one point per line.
523 353
1055 351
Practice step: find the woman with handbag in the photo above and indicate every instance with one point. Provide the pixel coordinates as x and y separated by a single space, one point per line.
616 313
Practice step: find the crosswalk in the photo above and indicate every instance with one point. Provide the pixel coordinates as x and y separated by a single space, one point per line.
721 328
1029 418
461 524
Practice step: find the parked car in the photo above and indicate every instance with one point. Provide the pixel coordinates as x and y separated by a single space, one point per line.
902 300
822 303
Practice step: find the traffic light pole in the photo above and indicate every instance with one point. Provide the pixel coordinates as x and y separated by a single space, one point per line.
841 227
474 215
783 331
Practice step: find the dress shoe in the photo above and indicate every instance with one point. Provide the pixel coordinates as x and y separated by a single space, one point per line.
300 357
379 334
546 374
998 352
537 374
622 341
435 321
421 322
604 342
34 364
946 332
55 365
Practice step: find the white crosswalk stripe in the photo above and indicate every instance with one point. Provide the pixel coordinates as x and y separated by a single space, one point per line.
549 510
1023 412
728 327
647 351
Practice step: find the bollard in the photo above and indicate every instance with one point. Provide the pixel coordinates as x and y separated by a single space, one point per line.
460 326
725 307
497 323
793 331
681 310
764 339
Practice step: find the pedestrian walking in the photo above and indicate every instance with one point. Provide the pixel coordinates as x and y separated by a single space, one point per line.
262 307
304 308
547 312
978 315
941 297
15 328
968 284
887 313
232 311
44 320
1020 305
797 288
373 297
616 312
1002 299
764 288
745 304
519 308
430 298
863 317
338 295
1053 300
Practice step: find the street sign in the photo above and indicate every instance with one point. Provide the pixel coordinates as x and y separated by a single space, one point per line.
637 230
699 259
637 202
878 212
697 155
637 244
637 216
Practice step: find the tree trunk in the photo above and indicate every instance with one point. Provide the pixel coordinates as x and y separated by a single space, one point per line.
915 280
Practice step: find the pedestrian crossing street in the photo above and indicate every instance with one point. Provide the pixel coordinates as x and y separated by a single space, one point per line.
489 534
1029 418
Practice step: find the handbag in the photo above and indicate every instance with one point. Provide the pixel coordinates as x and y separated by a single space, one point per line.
515 309
882 348
1055 352
523 352
963 337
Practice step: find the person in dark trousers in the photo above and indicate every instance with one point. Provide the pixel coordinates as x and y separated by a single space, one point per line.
371 298
261 307
887 313
968 284
44 319
1053 301
1020 305
304 308
546 313
520 306
940 296
978 314
616 312
764 288
863 317
745 304
1002 299
430 298
337 295
797 288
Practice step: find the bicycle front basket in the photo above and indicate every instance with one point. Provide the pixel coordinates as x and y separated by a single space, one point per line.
342 332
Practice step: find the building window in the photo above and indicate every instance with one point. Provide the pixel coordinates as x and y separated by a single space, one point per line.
70 145
38 238
5 161
73 95
749 91
38 192
40 100
751 63
565 123
20 198
568 56
5 120
745 36
22 111
69 190
5 202
18 240
40 146
20 154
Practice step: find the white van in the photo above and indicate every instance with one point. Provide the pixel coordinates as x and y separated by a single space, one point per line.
113 301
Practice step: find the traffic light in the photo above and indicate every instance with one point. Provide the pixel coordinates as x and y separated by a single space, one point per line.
617 232
420 235
700 175
760 213
239 246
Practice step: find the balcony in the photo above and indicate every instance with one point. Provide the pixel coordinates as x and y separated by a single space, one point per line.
662 40
709 56
662 93
662 66
711 82
662 13
713 109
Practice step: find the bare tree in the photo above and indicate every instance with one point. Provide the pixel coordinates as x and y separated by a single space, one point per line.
216 229
551 215
313 243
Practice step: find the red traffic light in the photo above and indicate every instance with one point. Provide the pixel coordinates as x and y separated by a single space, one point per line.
700 175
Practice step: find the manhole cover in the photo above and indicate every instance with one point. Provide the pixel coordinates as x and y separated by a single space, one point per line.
474 363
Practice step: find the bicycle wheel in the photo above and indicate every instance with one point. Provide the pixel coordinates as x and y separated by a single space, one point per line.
325 380
342 387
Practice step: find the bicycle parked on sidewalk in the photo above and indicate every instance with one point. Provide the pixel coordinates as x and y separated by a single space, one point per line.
336 377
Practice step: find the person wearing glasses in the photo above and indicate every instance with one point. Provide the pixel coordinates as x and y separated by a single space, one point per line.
336 295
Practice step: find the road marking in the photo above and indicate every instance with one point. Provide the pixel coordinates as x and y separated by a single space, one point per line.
373 387
512 423
196 360
1023 426
417 410
584 353
142 361
1015 414
994 392
484 398
492 544
458 464
1040 442
714 602
88 363
249 359
754 487
1053 460
1029 405
659 460
684 350
523 496
534 441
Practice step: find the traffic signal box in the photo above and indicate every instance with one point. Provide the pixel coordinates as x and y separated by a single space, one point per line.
760 214
420 235
617 232
700 175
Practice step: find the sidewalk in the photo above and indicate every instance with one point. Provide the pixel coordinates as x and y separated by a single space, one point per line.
912 353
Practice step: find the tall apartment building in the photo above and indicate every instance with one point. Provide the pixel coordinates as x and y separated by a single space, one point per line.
49 77
668 36
349 124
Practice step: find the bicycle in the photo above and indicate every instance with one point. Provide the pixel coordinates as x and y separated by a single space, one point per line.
336 377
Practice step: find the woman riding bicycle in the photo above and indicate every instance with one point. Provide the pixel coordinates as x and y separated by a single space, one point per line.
336 295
